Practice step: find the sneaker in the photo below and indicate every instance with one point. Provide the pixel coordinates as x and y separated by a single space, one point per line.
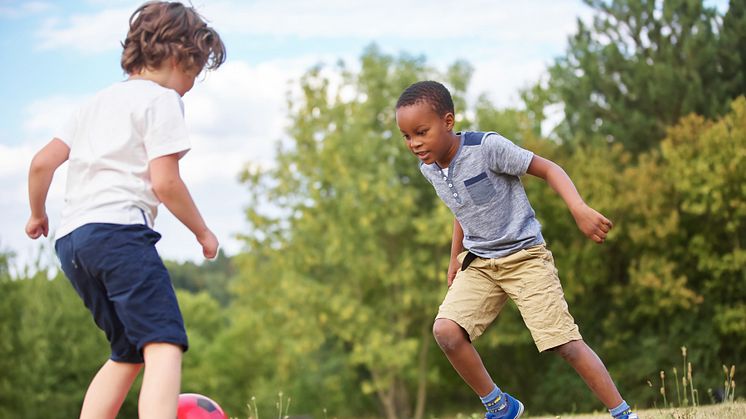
514 410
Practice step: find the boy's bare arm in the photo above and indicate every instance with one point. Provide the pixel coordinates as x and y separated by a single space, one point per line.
592 223
457 246
40 175
171 190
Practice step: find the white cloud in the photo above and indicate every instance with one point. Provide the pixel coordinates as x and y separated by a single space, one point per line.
44 118
235 117
14 160
545 22
238 113
90 33
501 80
23 9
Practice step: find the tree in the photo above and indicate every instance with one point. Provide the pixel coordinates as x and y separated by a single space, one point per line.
642 65
211 276
732 47
706 164
51 347
360 245
672 269
10 304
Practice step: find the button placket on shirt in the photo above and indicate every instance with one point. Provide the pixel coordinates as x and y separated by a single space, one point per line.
448 179
449 182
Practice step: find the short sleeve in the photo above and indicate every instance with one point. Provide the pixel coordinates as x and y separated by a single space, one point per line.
503 156
67 132
165 128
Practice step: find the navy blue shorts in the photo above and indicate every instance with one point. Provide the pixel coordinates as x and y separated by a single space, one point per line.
118 273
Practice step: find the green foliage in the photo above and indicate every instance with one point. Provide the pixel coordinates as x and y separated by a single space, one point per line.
360 251
50 348
707 168
333 299
732 47
643 64
211 276
673 268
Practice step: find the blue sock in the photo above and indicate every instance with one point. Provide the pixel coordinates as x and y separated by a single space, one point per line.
619 410
495 401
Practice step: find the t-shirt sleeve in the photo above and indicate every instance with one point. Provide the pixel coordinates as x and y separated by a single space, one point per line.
67 132
166 131
503 156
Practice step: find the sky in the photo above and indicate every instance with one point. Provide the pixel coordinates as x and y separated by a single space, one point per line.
55 54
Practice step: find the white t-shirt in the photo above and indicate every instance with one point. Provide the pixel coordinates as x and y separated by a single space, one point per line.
112 139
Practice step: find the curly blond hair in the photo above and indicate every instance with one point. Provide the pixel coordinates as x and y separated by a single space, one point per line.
162 30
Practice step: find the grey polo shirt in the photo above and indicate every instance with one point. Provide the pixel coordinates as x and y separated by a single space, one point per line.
483 189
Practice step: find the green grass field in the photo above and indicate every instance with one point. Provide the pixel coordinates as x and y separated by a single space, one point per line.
721 411
735 410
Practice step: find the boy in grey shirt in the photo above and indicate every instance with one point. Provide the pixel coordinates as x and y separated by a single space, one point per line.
498 245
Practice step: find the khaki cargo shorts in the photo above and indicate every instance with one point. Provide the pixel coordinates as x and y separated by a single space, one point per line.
529 278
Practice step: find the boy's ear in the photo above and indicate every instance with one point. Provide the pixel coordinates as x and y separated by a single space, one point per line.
450 120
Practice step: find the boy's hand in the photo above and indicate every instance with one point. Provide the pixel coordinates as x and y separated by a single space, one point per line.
594 225
37 226
209 244
453 267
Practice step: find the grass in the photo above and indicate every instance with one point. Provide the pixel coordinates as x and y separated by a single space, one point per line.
728 410
736 410
685 405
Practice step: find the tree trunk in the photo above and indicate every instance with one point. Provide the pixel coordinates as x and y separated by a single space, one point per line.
422 370
401 395
387 398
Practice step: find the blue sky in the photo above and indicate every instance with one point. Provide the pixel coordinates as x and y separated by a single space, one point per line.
54 54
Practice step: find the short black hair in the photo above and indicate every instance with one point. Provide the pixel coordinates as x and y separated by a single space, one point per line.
428 91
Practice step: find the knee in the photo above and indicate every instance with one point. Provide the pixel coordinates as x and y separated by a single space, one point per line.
449 335
569 351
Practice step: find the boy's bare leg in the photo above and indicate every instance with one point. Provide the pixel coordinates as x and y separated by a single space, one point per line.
455 344
108 389
589 366
161 382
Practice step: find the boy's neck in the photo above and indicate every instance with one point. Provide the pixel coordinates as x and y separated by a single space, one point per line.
452 150
169 75
160 75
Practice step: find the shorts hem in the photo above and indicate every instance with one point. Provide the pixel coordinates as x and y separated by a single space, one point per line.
160 339
461 321
555 341
123 360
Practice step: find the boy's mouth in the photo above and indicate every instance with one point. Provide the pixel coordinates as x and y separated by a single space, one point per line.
421 154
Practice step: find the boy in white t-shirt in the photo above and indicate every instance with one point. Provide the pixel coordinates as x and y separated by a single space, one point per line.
124 147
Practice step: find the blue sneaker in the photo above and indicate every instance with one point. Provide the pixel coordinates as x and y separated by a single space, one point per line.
514 410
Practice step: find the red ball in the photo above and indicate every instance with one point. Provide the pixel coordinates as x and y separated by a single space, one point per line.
197 406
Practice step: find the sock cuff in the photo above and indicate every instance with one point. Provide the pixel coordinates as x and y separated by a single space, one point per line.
623 407
495 393
495 401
